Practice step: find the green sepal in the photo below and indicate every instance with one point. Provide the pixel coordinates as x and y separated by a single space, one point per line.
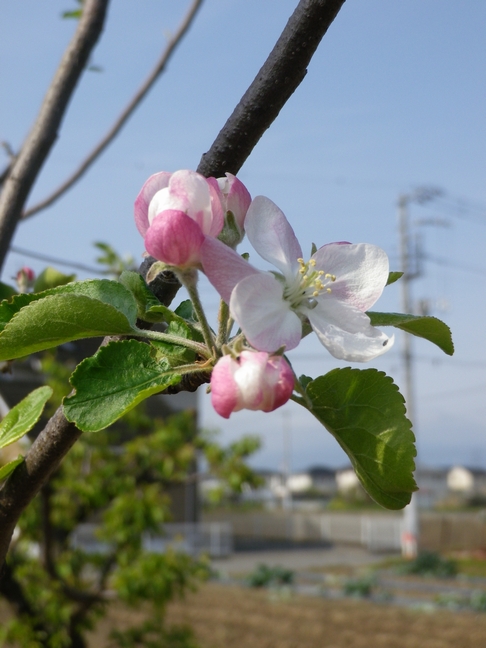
39 321
9 468
393 276
365 412
425 326
51 278
113 381
23 416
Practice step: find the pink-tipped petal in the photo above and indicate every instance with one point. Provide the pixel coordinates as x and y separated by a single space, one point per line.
254 380
266 319
272 236
175 239
217 211
155 183
224 267
238 198
224 392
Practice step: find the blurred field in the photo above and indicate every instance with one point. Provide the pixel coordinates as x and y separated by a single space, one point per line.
226 616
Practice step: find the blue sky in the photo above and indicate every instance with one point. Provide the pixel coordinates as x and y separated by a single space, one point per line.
395 98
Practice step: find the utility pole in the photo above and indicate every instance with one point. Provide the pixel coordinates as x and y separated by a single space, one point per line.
411 270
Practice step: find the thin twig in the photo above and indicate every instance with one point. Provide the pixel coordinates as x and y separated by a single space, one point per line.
40 140
127 112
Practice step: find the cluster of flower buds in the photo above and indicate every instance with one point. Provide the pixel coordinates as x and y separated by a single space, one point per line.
175 212
189 221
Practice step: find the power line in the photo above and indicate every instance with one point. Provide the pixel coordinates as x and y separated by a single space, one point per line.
454 264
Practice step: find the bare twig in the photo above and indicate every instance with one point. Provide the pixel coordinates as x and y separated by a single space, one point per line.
281 74
44 132
127 112
279 77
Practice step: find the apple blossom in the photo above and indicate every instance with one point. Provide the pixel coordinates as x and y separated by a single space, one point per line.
174 212
331 291
254 380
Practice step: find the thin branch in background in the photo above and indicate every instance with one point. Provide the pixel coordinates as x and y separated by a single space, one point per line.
59 435
74 265
127 112
41 138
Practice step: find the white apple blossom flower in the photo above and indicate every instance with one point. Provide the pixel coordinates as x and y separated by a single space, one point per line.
332 290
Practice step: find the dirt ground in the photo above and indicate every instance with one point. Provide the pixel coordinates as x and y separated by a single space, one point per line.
225 617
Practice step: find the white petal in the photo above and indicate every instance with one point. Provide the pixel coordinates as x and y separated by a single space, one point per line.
272 236
346 332
361 271
265 318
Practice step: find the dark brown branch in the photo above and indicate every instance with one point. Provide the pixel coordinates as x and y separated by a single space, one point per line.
44 132
281 74
277 80
127 112
45 455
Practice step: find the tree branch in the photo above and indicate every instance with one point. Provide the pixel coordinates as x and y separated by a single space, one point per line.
276 81
127 112
44 456
40 140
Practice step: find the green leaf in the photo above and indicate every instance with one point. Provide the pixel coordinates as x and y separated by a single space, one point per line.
9 467
58 319
305 380
23 416
103 290
6 291
365 412
427 327
186 311
393 276
79 310
177 354
147 302
51 278
114 380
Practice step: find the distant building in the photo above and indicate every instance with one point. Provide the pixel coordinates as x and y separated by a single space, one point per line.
346 481
467 481
318 480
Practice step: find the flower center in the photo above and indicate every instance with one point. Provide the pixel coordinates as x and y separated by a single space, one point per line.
307 285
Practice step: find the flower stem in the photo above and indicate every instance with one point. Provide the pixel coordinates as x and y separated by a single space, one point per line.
223 320
200 349
188 279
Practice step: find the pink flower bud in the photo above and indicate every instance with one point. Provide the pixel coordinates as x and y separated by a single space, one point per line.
25 278
254 381
159 209
235 197
27 272
175 239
